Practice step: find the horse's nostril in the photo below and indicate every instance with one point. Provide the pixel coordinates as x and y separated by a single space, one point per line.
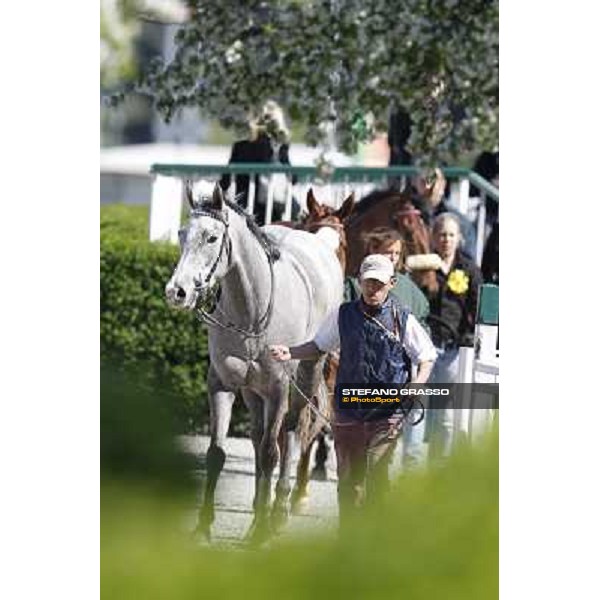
180 293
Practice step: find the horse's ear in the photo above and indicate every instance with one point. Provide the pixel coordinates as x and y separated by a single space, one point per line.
188 193
217 199
347 207
311 203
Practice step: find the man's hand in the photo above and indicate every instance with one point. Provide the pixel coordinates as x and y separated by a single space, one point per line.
280 353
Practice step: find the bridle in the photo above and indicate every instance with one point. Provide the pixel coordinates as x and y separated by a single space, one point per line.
261 325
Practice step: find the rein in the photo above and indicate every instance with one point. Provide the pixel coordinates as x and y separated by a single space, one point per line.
209 319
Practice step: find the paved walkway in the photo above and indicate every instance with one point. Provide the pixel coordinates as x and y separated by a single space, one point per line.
235 491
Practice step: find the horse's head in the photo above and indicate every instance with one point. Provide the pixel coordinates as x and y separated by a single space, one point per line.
321 216
408 221
205 249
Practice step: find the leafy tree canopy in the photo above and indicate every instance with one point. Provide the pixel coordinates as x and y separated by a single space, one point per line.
345 60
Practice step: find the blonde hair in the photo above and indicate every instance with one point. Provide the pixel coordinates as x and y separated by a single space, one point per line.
444 218
272 122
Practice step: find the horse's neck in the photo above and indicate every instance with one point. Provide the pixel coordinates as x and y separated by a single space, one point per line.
342 251
246 289
335 239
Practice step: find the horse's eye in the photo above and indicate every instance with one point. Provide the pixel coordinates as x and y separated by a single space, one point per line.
212 239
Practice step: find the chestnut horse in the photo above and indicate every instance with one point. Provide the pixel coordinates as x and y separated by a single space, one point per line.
311 429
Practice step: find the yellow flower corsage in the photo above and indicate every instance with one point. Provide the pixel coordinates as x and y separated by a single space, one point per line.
458 281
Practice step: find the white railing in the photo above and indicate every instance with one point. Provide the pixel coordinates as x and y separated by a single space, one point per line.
480 364
168 190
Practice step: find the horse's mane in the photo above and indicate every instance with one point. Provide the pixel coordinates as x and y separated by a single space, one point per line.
270 246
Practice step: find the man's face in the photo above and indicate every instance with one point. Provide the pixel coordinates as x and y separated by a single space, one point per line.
393 250
374 292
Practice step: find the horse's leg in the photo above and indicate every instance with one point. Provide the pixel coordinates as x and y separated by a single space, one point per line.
319 471
221 403
300 495
254 403
275 405
287 449
311 382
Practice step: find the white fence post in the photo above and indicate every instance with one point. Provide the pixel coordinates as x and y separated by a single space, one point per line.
478 365
251 195
165 209
459 195
269 207
465 375
487 369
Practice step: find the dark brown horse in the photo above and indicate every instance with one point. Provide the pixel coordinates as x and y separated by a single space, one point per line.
385 208
389 208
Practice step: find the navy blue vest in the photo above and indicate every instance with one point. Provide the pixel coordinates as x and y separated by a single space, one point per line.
369 356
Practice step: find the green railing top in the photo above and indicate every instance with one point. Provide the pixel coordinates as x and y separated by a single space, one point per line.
340 174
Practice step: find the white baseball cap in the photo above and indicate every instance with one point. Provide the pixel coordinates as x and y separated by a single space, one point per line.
376 266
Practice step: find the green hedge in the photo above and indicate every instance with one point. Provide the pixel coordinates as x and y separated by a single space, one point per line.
139 329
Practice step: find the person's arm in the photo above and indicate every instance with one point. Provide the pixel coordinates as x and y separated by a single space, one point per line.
326 339
423 371
420 348
225 180
282 353
475 280
284 159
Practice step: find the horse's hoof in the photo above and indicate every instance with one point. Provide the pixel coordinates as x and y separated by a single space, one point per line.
300 504
279 518
259 533
319 474
202 533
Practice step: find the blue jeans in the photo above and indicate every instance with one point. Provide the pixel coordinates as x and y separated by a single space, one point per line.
440 421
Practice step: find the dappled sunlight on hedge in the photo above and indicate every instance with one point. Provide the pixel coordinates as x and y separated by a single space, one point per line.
436 536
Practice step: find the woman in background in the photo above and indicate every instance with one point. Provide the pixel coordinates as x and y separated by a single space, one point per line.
268 143
451 320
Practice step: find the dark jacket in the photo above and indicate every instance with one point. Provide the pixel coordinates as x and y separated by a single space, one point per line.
490 267
368 356
452 313
257 151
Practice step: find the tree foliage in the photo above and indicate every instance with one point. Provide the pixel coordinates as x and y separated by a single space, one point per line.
344 60
120 28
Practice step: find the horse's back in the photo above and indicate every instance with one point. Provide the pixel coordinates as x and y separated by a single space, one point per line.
309 270
318 249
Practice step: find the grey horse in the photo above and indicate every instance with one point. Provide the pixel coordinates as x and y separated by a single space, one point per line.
254 287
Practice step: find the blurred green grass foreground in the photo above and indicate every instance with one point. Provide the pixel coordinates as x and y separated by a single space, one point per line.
436 535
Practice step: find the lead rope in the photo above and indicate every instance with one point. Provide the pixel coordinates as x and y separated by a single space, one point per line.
306 399
331 423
